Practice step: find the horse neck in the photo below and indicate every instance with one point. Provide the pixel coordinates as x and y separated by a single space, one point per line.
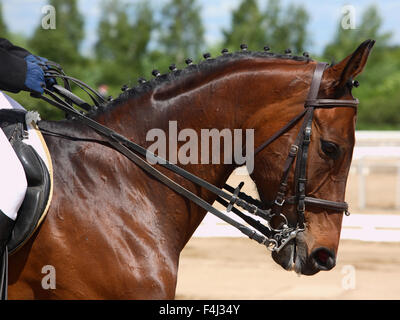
223 100
170 113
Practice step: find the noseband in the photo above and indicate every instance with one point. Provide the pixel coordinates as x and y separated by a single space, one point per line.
299 151
274 238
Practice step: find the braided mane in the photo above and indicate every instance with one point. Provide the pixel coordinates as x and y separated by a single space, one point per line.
208 64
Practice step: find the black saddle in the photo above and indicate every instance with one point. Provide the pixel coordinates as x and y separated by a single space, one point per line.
37 196
13 124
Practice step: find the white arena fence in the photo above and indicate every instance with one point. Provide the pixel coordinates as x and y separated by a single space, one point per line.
374 150
363 227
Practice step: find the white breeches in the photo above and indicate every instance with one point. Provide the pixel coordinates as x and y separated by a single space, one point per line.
13 184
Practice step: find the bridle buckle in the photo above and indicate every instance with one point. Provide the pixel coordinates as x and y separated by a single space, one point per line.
293 150
301 207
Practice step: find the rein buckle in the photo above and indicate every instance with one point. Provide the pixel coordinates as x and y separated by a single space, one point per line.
279 203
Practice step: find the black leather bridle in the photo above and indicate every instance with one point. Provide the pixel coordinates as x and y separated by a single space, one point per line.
299 150
274 238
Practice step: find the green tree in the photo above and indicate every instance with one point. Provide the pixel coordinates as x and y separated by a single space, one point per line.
61 44
181 30
380 82
124 34
286 28
3 26
279 28
247 26
297 18
369 28
276 31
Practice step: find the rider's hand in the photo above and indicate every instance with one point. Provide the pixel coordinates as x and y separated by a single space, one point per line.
38 60
42 63
34 80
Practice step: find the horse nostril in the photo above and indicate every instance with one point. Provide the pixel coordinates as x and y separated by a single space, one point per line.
323 258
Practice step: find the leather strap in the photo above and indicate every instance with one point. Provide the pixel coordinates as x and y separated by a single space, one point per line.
321 203
4 275
69 95
301 163
301 166
331 103
316 80
277 134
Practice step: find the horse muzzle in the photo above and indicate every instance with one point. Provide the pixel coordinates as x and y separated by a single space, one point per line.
295 256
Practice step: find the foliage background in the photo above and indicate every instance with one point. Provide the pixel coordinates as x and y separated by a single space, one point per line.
136 37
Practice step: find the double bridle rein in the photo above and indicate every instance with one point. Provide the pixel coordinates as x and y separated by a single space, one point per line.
274 238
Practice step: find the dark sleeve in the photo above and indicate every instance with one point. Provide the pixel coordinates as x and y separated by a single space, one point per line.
17 51
12 71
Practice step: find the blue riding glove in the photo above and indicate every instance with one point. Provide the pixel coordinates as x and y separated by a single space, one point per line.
42 62
36 59
34 80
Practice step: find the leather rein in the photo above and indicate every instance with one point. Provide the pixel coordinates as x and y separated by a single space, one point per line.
262 232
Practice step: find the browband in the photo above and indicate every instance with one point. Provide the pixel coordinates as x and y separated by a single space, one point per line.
331 103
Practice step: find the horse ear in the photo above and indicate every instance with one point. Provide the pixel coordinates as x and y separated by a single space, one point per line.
353 64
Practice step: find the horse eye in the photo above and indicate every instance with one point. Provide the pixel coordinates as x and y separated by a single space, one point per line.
330 149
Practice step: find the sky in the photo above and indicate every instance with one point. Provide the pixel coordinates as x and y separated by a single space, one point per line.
22 16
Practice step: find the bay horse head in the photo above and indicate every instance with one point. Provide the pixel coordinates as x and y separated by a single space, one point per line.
321 171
